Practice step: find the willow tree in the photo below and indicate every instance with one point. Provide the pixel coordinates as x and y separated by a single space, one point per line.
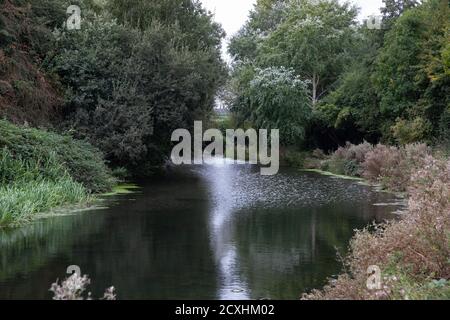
315 39
279 100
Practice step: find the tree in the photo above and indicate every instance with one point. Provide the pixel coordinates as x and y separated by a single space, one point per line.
410 73
264 19
128 86
196 25
393 9
315 40
350 112
278 99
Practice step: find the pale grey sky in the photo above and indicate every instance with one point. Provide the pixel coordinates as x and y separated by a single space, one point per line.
232 14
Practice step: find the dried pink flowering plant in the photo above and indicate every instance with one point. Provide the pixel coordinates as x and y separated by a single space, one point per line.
353 152
392 167
413 252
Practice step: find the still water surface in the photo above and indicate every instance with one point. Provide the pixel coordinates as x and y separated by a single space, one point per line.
207 232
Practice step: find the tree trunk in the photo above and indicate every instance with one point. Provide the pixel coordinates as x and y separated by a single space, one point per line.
315 84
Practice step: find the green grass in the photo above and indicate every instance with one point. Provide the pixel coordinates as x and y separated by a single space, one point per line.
21 203
407 285
82 161
41 171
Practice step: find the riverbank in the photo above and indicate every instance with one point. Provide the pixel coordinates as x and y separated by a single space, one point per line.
387 167
412 253
41 171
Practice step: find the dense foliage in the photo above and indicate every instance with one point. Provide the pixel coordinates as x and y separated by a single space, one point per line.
27 94
412 251
380 85
135 71
276 98
132 80
40 171
49 155
114 89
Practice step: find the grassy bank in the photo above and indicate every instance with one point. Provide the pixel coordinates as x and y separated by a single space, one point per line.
390 167
413 253
41 171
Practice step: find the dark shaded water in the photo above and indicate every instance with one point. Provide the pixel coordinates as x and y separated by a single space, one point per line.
211 232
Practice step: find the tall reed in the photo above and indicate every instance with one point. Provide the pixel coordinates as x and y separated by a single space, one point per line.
32 186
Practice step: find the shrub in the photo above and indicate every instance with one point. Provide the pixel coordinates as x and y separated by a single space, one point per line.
336 165
379 160
353 152
74 288
392 167
411 131
413 253
44 153
319 154
35 185
295 159
348 159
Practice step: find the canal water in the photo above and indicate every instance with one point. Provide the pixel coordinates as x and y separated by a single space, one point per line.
218 231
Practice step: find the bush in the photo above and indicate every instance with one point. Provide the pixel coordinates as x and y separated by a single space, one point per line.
46 154
392 167
379 160
16 170
413 253
347 160
128 88
350 152
272 98
411 131
25 36
295 159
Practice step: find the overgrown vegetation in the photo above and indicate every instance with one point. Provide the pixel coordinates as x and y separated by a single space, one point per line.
20 203
413 253
113 90
136 71
40 171
74 288
32 154
389 85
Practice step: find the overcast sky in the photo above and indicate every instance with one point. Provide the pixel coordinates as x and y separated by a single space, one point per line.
232 14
